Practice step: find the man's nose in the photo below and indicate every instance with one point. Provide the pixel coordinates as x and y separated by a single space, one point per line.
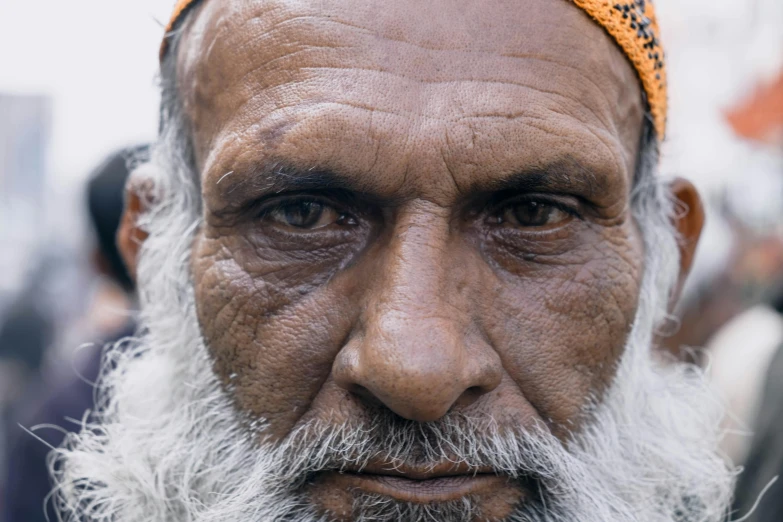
419 351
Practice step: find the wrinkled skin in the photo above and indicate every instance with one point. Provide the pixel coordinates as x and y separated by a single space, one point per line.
419 206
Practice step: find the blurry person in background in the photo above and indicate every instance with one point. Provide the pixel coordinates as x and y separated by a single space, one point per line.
26 333
739 352
761 119
764 463
724 320
58 407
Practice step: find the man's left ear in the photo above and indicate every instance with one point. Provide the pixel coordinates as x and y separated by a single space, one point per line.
688 220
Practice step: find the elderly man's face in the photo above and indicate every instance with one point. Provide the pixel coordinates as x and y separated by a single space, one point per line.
418 207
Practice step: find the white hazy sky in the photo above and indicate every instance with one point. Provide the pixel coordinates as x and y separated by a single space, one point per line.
97 60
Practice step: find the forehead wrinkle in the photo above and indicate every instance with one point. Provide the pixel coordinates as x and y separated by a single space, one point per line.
299 127
413 73
426 111
317 80
475 89
483 43
410 68
306 39
250 168
487 153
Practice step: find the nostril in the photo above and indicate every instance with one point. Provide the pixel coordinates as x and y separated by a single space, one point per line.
358 389
363 393
470 395
474 392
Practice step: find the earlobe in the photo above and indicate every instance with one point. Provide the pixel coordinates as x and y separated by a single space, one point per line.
688 221
130 236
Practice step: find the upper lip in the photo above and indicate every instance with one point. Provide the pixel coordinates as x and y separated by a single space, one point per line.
441 470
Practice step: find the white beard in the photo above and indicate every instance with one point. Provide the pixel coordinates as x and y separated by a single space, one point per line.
170 445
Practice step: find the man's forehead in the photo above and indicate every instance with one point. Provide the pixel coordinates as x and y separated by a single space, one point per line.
257 32
486 25
254 65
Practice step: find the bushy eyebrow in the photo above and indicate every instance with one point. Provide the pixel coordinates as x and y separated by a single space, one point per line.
565 175
233 189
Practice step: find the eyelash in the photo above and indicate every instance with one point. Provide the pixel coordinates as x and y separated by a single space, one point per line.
267 208
543 200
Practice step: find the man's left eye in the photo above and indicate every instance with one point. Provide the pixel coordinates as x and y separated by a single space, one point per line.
531 213
306 215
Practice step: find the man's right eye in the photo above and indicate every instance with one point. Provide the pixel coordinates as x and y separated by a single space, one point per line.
306 214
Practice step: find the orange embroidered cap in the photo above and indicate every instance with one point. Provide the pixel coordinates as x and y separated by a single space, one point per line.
632 24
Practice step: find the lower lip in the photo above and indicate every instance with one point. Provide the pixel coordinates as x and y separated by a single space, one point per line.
439 489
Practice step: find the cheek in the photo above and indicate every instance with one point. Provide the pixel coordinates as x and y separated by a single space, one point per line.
273 338
561 328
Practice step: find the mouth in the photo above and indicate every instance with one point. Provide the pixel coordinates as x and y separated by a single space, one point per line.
442 483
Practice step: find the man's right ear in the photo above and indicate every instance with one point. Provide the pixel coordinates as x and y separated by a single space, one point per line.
130 236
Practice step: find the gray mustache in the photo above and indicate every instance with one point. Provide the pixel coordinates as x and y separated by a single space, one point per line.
475 443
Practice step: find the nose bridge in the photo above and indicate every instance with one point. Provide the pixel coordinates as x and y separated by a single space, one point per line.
414 354
415 266
420 286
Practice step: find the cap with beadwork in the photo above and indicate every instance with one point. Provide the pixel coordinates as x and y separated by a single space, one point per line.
633 26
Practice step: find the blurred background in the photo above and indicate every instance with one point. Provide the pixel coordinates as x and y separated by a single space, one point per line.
78 96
